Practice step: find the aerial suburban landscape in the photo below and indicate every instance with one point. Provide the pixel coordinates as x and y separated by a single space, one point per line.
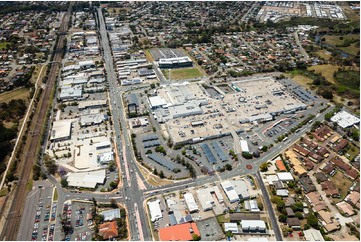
164 121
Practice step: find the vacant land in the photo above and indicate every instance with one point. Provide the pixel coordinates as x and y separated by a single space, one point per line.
324 54
299 78
326 71
183 73
342 183
21 93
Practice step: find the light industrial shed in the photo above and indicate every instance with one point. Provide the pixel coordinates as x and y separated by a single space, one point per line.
155 211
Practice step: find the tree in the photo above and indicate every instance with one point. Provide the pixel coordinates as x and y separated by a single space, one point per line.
113 185
196 237
228 167
247 155
312 220
64 182
161 174
299 215
297 207
282 218
155 172
264 167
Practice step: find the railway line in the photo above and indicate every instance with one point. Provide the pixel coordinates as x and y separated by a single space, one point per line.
13 218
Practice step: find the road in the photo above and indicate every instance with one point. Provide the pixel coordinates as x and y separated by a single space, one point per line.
13 218
130 189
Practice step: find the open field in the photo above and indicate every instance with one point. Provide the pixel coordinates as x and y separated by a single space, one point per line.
324 54
183 73
350 40
3 192
326 71
336 39
300 79
349 79
21 93
342 183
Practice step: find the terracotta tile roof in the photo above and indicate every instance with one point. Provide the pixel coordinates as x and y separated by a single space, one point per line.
280 165
108 230
181 232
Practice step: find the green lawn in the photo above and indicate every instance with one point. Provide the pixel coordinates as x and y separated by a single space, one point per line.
353 151
182 73
3 45
349 79
339 39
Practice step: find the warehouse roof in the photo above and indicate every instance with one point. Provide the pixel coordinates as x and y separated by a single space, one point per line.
86 179
253 224
230 191
61 129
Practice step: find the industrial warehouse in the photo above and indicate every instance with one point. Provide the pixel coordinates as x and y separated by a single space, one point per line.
192 112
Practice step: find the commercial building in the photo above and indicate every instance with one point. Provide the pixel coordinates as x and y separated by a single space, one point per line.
251 205
345 119
233 227
86 179
253 226
180 232
244 146
91 104
230 191
155 211
108 230
61 130
241 188
70 93
109 215
191 203
177 62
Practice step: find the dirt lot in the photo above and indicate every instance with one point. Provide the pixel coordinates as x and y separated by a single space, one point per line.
342 183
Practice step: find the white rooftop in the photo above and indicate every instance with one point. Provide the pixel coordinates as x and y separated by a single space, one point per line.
61 129
111 214
313 235
345 119
230 191
155 211
191 203
233 227
86 179
285 176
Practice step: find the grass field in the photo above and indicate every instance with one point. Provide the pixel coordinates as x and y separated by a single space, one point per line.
3 192
349 79
323 54
21 93
352 39
300 79
326 71
353 151
335 39
183 73
3 45
342 183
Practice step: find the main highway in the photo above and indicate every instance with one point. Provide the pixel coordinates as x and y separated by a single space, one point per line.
132 194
